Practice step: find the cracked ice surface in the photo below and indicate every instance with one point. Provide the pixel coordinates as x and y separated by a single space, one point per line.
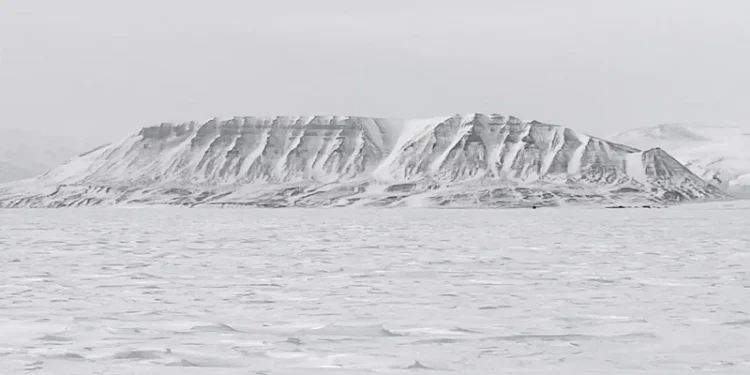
350 291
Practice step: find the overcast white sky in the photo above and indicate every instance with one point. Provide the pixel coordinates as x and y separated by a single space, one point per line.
105 68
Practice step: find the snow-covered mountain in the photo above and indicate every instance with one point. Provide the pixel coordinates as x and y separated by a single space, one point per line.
462 160
720 155
25 154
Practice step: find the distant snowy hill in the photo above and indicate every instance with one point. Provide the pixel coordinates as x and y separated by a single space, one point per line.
26 154
720 155
460 161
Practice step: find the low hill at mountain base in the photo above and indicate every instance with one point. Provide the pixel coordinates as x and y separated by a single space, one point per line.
719 155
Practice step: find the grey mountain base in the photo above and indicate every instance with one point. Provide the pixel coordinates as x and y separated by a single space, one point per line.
472 160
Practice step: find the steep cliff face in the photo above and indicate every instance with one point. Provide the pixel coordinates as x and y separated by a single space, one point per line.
462 160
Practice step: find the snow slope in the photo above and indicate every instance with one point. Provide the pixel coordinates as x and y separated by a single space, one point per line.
462 160
25 154
720 155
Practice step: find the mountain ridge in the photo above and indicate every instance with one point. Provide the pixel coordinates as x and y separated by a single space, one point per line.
462 160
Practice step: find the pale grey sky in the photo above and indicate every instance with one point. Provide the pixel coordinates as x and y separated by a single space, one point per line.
105 68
